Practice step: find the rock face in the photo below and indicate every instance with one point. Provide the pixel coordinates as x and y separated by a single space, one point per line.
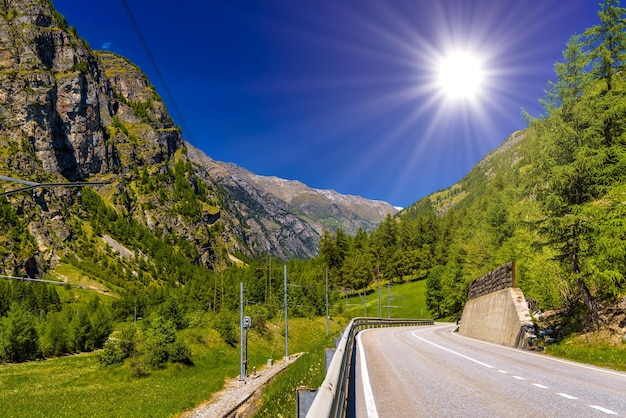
321 209
58 98
70 114
52 97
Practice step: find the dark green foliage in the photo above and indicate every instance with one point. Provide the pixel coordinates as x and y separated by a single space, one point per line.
187 199
173 311
54 339
117 123
111 354
226 324
141 109
119 348
36 324
607 42
14 235
81 66
162 345
18 335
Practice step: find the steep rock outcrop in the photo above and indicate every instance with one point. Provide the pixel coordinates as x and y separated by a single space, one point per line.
70 114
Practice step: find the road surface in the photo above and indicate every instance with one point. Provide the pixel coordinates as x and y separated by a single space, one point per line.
435 372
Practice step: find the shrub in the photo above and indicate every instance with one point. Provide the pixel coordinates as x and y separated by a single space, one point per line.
162 345
111 354
224 324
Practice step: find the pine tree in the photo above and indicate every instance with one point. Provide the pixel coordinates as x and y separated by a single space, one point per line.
572 79
608 42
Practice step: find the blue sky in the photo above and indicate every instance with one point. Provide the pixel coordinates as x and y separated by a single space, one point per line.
341 94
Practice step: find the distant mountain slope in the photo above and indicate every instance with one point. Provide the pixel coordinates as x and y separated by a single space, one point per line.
322 209
70 114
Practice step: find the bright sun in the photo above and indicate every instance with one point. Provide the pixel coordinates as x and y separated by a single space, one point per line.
460 75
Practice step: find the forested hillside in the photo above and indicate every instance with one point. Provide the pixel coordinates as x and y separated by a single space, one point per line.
552 198
157 235
167 242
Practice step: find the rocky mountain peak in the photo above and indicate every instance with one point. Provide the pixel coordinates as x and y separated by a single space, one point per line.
69 114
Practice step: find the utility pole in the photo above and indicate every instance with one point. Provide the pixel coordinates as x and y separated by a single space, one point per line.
286 322
364 308
327 301
242 371
378 278
388 301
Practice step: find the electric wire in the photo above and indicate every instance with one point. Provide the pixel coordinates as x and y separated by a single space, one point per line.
166 88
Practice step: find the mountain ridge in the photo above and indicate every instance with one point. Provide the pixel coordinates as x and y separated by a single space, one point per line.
325 207
70 114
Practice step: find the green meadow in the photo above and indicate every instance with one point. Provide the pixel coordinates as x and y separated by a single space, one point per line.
75 386
78 385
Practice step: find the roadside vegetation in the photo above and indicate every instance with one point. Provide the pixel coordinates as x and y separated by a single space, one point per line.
164 321
591 350
80 386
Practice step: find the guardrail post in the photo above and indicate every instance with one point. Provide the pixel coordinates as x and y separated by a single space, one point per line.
304 399
328 357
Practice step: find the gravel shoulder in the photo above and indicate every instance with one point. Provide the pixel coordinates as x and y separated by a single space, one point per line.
232 400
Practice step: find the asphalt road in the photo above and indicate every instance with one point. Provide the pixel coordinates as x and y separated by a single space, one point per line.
434 372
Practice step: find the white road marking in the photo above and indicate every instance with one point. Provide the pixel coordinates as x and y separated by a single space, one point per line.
543 356
453 352
606 411
370 405
565 395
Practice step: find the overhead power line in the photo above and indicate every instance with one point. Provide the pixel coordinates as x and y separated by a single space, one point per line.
33 185
166 88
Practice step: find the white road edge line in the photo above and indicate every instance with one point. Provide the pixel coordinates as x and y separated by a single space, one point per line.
370 405
543 356
606 411
453 352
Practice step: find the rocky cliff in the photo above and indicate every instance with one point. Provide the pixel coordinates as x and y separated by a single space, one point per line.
70 114
321 209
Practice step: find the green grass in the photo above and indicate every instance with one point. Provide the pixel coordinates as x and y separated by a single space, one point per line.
76 386
407 300
279 397
598 353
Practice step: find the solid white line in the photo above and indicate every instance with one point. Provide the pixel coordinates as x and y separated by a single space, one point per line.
453 352
606 411
566 396
370 405
540 386
543 356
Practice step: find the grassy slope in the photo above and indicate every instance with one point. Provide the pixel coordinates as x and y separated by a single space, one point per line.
77 386
406 301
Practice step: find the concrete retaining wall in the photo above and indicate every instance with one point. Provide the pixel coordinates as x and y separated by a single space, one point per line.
500 317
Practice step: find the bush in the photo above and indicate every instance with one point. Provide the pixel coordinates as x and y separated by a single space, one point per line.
224 324
162 345
179 352
111 354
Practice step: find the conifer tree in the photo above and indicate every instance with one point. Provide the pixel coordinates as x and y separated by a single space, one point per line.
608 42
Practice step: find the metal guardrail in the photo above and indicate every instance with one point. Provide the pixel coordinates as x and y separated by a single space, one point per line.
332 397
